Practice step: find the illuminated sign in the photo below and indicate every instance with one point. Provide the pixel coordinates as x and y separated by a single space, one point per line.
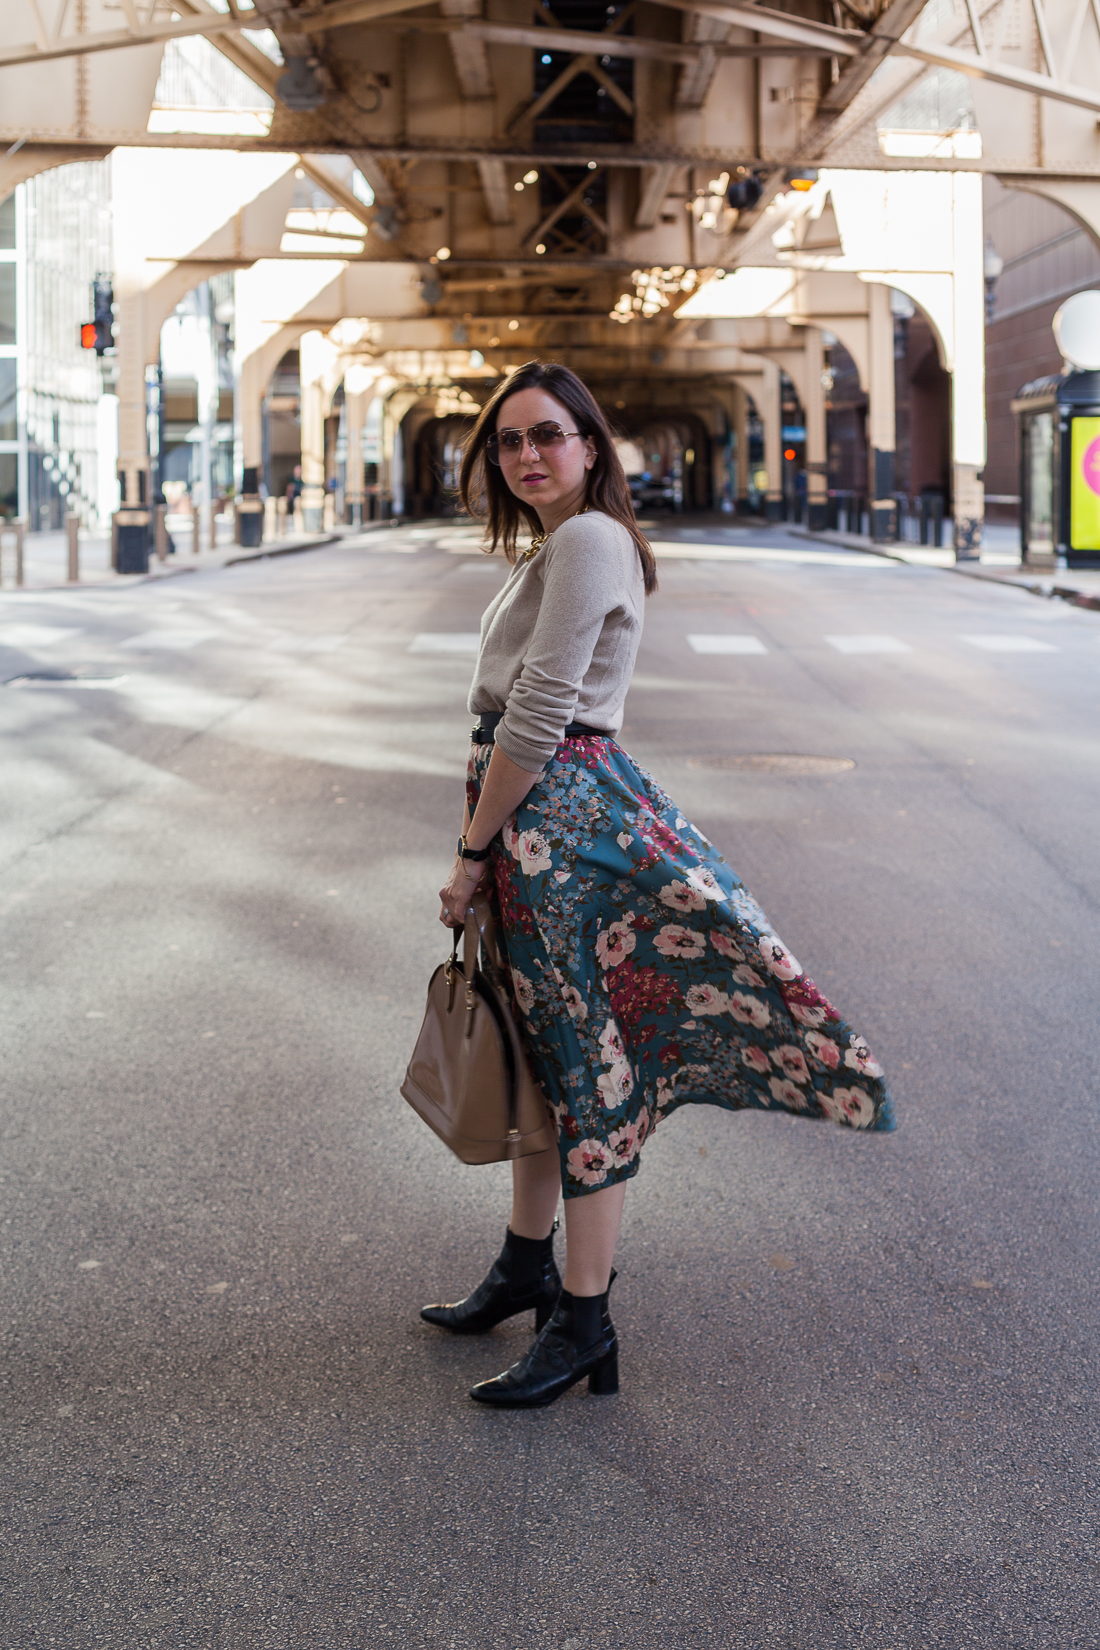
1084 486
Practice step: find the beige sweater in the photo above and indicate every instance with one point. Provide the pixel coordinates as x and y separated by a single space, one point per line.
558 643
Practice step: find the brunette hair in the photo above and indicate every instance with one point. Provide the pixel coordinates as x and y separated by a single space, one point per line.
484 491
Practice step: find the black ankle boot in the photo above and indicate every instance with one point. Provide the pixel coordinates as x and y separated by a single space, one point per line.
579 1340
522 1276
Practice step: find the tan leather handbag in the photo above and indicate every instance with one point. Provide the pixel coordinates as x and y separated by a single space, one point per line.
468 1077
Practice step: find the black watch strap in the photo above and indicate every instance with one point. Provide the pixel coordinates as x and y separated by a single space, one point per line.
475 854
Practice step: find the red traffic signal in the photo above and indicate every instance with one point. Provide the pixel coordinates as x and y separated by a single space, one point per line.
88 335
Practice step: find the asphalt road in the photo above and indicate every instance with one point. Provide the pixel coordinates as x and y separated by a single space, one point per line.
859 1401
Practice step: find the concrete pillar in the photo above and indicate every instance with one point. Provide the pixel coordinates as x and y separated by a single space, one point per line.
817 456
743 469
881 437
968 368
313 357
133 451
770 409
356 406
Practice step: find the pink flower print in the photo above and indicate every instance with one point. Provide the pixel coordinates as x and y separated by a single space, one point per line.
611 1044
511 836
725 947
777 959
859 1057
704 879
589 1162
524 990
808 1014
787 1094
706 999
748 976
749 1010
674 941
575 1003
642 1125
533 853
791 1062
823 1049
623 1143
616 1086
562 876
624 839
682 898
755 1058
853 1106
615 943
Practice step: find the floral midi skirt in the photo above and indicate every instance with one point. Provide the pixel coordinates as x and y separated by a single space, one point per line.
647 977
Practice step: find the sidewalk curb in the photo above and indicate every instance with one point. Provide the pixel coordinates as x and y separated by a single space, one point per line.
853 541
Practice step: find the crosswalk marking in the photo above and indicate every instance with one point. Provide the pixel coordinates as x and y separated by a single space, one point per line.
445 641
168 641
868 644
1011 644
726 644
34 635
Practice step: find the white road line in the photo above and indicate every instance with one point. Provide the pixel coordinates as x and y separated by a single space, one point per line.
34 635
445 641
682 550
726 644
168 641
868 644
1011 644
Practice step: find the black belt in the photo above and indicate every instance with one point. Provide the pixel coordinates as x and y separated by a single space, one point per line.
485 732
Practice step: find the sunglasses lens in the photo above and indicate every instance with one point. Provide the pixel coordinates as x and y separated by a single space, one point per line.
547 435
492 450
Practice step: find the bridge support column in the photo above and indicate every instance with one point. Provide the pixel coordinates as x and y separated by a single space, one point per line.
355 408
743 470
313 358
881 437
133 444
770 409
968 369
817 457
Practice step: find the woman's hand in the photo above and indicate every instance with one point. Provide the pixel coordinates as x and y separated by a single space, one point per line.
459 890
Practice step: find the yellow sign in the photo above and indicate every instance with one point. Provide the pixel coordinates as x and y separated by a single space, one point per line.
1084 485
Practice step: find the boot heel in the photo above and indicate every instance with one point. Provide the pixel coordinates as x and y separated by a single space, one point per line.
604 1379
543 1313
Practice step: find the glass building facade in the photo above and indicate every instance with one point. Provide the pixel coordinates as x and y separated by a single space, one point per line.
55 236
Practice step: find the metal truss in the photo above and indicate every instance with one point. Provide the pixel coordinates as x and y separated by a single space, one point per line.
982 64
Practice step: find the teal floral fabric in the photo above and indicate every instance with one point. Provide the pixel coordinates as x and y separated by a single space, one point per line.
647 977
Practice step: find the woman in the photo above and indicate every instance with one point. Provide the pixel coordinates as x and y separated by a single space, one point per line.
646 976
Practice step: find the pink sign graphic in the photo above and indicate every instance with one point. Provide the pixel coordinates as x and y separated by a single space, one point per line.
1090 465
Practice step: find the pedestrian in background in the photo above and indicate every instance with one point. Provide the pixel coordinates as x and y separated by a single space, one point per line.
645 975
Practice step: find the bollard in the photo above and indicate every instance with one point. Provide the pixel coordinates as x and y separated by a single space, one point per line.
72 528
20 528
160 531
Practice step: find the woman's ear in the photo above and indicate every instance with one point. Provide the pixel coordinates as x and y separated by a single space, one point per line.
589 452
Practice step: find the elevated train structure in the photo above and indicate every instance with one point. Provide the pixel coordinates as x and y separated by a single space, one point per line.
688 201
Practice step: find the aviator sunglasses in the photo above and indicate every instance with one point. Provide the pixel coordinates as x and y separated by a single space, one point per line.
544 438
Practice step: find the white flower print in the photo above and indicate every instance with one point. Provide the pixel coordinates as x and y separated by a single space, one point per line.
791 1062
575 1003
624 839
777 959
808 1014
859 1057
703 878
749 1010
623 1143
524 990
534 853
611 1044
853 1106
562 876
589 1162
725 946
681 897
615 943
748 976
786 1093
616 1086
823 1049
706 999
511 836
674 941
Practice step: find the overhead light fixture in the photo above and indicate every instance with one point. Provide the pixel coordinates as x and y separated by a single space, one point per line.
443 254
531 176
591 165
801 178
540 249
299 88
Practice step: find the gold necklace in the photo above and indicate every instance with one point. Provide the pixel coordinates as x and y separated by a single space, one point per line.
539 539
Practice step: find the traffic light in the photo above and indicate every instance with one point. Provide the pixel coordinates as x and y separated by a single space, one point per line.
99 334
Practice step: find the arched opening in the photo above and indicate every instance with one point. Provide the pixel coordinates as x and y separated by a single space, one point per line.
282 425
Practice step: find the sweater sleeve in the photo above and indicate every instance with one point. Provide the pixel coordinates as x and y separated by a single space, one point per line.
584 578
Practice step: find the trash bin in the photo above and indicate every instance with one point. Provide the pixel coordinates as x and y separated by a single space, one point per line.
249 510
131 529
